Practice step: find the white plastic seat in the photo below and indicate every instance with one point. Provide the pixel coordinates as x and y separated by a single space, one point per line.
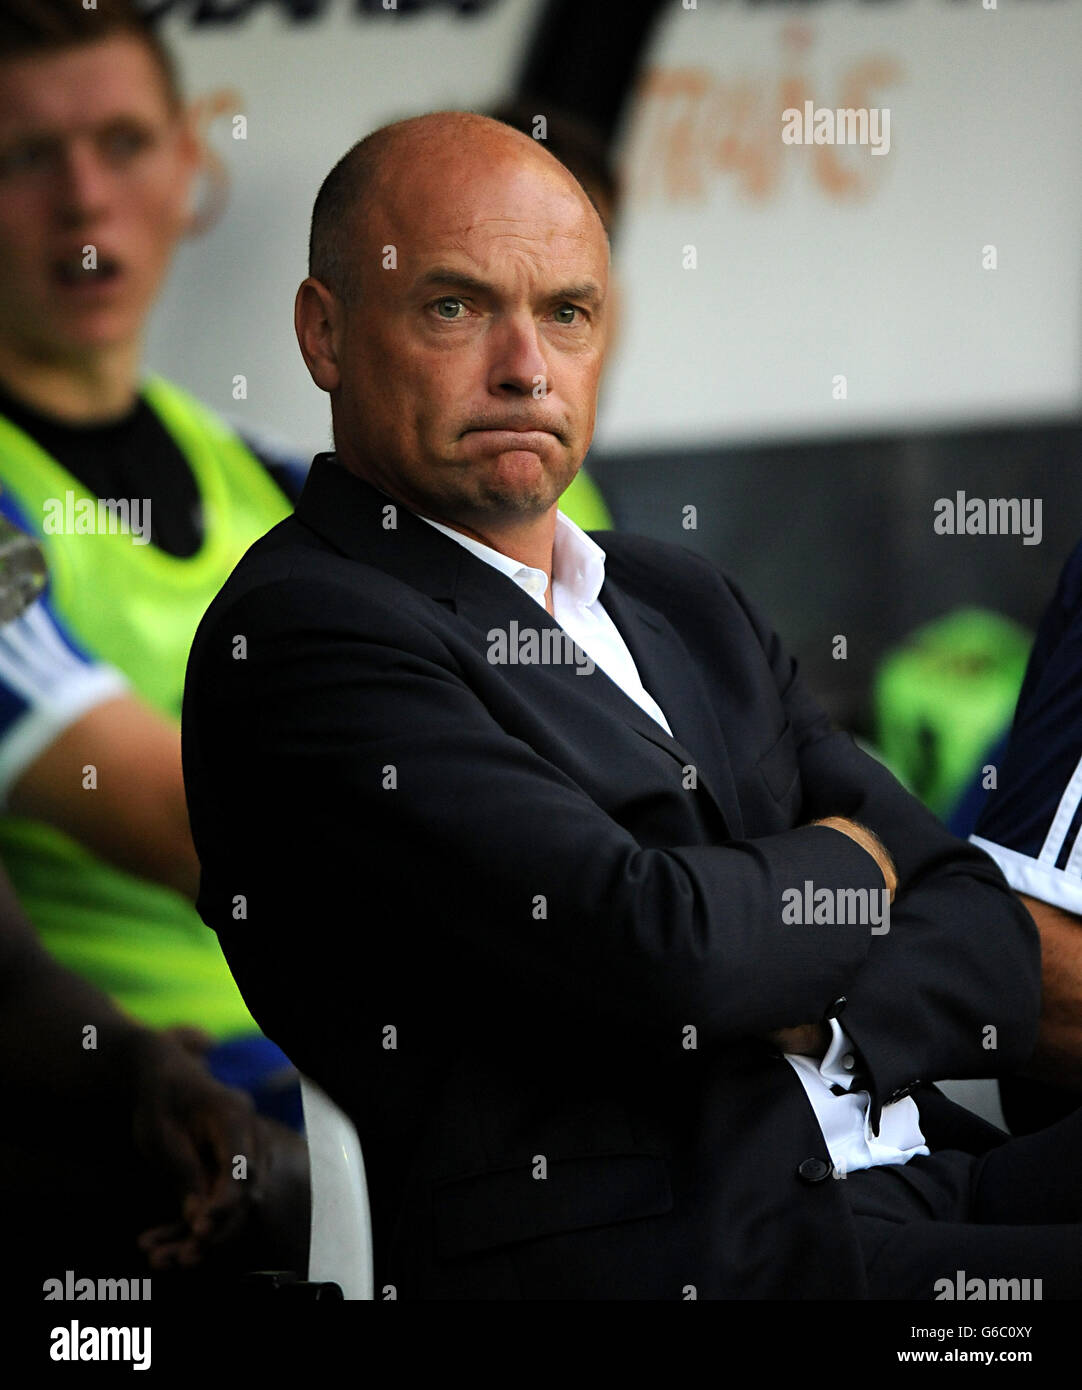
340 1245
980 1096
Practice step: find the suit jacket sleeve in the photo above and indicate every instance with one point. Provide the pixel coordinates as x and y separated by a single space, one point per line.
953 989
354 725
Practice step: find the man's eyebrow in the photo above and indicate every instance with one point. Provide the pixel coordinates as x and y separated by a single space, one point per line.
586 291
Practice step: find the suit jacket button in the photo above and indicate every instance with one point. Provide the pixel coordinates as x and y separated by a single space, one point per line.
836 1008
813 1170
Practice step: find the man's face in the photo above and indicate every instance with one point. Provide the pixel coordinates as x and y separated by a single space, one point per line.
469 374
91 154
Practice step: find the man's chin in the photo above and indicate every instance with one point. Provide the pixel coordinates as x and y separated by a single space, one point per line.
520 505
514 486
522 496
77 338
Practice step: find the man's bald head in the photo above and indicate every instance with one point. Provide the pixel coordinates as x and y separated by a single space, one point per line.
341 215
463 368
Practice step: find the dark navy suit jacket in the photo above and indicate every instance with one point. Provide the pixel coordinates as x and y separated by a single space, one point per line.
531 944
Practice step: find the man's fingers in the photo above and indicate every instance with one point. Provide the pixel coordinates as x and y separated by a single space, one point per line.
169 1245
236 1160
192 1039
174 1147
803 1040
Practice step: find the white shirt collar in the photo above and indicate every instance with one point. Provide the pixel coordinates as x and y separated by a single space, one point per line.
578 563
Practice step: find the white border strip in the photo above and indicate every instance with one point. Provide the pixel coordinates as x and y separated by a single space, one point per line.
1061 822
1030 876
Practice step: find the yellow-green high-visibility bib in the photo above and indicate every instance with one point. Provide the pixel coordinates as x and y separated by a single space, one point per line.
136 607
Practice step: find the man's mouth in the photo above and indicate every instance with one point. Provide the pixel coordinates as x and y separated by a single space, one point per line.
516 440
525 438
74 272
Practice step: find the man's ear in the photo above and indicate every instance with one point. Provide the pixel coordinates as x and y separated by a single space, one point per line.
316 317
197 163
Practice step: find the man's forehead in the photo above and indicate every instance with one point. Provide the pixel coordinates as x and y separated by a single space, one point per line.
474 233
506 255
482 237
512 189
81 87
570 277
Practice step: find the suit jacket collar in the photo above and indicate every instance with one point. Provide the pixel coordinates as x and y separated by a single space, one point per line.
369 526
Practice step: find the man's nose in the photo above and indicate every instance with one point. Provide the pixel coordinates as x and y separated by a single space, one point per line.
518 362
84 182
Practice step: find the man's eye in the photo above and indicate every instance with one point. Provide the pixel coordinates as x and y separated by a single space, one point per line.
26 157
571 309
441 304
124 142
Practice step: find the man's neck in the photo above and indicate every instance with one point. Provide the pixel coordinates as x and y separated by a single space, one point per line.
529 539
530 543
84 391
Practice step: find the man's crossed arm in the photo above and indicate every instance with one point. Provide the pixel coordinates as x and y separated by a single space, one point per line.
637 938
813 1039
953 990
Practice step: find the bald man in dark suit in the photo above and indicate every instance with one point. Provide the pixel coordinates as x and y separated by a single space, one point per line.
532 849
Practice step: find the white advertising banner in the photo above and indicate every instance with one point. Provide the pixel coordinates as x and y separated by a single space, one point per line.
849 216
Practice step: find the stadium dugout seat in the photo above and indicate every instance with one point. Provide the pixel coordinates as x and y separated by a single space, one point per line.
340 1245
981 1096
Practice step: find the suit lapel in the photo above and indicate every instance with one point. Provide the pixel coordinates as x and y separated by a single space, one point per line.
352 516
666 670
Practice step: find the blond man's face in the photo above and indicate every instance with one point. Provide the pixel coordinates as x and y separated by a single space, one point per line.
92 155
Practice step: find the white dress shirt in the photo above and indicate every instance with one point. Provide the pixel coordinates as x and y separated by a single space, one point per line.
578 572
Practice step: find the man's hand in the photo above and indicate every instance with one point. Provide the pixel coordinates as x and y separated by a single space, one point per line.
869 842
805 1040
188 1124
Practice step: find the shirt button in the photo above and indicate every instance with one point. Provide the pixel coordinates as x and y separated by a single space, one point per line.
813 1170
849 1061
